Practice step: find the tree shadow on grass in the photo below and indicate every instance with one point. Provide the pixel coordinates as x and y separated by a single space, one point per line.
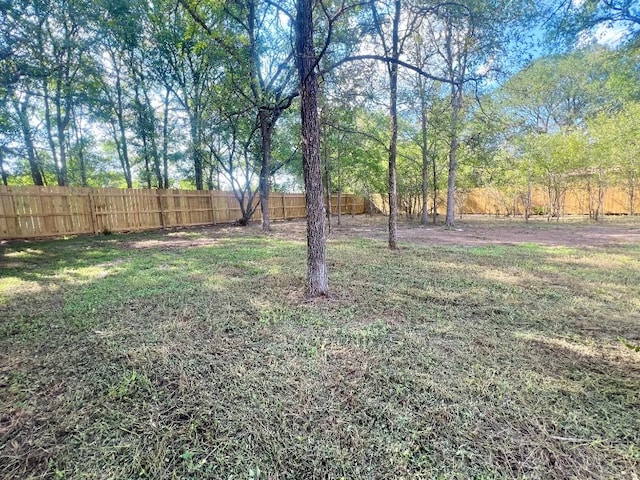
81 360
191 362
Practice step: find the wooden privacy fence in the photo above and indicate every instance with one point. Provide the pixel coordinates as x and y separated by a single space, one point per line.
35 212
491 201
573 201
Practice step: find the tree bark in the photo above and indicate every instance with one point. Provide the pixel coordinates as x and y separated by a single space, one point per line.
266 131
49 127
327 179
196 151
453 149
23 116
165 141
150 123
80 143
62 121
434 171
124 160
5 179
631 202
318 283
424 220
393 144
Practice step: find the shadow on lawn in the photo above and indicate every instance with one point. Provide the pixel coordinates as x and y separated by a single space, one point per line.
202 367
609 370
80 352
592 405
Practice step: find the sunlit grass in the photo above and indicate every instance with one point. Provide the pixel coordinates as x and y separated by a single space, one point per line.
135 356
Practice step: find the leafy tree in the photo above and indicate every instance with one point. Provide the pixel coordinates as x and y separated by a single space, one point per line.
616 149
577 21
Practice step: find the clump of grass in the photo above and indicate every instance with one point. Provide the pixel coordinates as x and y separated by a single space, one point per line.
140 357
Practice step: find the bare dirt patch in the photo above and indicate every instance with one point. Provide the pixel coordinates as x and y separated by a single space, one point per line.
476 230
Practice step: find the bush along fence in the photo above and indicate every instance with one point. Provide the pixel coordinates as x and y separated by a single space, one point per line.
36 212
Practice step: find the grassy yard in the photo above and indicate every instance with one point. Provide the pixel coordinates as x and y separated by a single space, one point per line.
194 354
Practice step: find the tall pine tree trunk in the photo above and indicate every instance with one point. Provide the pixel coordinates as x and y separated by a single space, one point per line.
196 152
49 128
77 128
150 124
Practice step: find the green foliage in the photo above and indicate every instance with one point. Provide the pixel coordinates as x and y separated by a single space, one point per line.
131 385
213 66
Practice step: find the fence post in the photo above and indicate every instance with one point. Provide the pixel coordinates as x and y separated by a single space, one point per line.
159 196
213 206
15 212
92 210
284 206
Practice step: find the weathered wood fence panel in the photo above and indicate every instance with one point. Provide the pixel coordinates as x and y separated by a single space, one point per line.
575 201
491 201
35 212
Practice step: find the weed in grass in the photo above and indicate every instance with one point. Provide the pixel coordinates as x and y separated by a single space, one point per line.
131 385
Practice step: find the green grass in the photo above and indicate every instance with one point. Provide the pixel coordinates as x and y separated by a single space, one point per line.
194 355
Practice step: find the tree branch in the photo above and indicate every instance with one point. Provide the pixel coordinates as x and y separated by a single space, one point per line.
383 58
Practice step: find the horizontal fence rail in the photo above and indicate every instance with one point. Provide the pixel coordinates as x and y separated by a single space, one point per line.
37 212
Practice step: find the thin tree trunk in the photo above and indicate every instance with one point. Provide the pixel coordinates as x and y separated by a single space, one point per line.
424 220
165 142
126 165
143 130
5 177
196 151
21 109
147 170
146 130
150 123
453 149
80 142
266 130
62 120
318 282
632 194
339 204
435 191
50 137
327 177
528 200
393 118
210 177
601 192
